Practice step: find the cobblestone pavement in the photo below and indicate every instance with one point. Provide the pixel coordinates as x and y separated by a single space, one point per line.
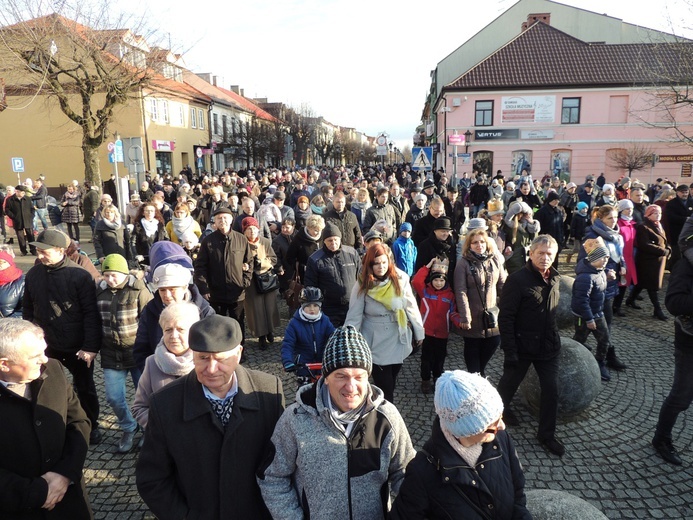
609 460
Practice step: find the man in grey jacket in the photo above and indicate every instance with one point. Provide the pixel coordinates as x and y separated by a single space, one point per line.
341 449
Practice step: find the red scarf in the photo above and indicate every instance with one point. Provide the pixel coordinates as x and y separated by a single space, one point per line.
10 274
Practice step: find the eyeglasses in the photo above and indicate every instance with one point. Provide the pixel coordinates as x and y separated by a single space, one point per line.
498 425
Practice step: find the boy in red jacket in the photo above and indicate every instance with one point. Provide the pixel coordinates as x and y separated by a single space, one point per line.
438 309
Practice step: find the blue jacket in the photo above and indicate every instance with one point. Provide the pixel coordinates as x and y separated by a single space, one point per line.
589 290
305 339
404 251
614 243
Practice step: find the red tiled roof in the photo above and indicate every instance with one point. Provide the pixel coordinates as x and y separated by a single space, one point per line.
250 106
545 57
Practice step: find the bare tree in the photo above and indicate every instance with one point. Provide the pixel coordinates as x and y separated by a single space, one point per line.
77 56
324 146
301 123
250 141
633 158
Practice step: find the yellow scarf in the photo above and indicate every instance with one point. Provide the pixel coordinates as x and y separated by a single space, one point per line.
386 295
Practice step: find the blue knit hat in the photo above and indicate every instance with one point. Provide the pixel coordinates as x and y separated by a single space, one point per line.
346 348
466 403
406 226
581 206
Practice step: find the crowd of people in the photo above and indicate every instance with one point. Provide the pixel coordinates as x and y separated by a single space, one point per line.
375 264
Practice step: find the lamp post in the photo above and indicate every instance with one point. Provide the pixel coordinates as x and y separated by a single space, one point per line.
467 137
390 153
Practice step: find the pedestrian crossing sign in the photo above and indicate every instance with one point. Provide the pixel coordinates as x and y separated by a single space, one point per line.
423 158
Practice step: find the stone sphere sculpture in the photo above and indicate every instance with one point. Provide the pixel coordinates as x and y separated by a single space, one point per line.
547 504
564 316
579 381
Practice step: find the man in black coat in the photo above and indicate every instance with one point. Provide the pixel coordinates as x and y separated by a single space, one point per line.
439 244
60 297
44 432
424 226
676 211
21 211
345 220
529 336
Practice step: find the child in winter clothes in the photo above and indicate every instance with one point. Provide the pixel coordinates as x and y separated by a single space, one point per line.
120 299
588 297
306 334
438 309
578 225
404 251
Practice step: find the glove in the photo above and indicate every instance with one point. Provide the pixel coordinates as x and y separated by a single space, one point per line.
289 367
511 360
139 258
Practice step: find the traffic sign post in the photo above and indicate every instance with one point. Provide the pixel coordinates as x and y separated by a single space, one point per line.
18 167
423 158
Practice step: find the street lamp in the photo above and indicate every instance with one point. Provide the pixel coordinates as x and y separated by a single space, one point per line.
390 156
467 137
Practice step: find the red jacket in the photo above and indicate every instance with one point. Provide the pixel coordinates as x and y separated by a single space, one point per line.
438 308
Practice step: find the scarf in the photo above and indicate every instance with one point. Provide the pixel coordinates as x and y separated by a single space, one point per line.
470 455
345 420
171 364
482 257
309 319
317 210
10 274
150 228
384 293
181 225
626 218
363 206
656 224
222 408
612 238
112 225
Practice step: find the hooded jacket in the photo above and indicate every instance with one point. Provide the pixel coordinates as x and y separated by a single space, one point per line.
588 291
315 471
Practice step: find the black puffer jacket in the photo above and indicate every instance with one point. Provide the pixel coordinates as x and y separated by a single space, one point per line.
437 476
219 267
679 300
300 250
527 318
11 295
61 299
335 274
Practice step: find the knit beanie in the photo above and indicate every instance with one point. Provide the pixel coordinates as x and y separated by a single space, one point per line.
652 209
406 226
466 403
331 230
115 262
189 236
249 221
596 249
581 206
346 348
624 204
608 187
552 196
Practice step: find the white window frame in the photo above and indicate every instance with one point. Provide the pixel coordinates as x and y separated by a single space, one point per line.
193 117
164 111
153 109
200 119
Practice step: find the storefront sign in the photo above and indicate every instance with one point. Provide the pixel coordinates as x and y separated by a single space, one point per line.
686 170
537 134
675 158
528 109
456 139
163 146
481 135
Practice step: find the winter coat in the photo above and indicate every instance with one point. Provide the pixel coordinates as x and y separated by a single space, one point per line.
301 216
578 225
20 211
11 296
527 317
614 243
71 203
589 289
676 212
476 279
149 331
261 311
551 221
434 479
335 274
48 433
315 471
219 267
305 339
194 228
414 215
61 299
379 325
478 194
140 243
108 241
382 212
281 244
120 310
651 257
679 300
170 475
348 224
526 232
433 248
300 250
423 228
437 307
359 209
405 253
90 204
626 229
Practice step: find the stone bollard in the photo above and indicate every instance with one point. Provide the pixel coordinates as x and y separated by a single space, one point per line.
547 504
579 381
564 316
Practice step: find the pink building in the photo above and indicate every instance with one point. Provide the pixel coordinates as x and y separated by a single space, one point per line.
567 107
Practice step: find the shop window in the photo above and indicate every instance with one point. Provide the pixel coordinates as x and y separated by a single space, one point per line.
484 113
560 164
483 162
522 160
163 162
570 111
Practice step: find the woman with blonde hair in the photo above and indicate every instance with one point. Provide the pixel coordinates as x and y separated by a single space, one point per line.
360 206
111 236
383 308
479 279
181 223
520 229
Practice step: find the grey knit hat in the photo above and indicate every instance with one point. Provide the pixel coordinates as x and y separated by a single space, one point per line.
346 348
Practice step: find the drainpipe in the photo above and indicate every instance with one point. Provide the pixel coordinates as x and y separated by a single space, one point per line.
146 134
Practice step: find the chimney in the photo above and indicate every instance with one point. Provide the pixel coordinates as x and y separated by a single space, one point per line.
214 81
534 17
234 88
243 92
206 76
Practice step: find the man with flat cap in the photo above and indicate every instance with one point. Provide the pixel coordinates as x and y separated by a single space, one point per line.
439 244
209 431
341 449
223 268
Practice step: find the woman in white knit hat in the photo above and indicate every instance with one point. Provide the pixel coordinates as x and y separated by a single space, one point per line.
468 467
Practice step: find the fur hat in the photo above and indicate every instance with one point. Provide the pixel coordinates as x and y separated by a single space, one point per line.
465 403
346 348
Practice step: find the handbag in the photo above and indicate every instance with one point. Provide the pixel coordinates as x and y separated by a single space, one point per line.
266 282
292 293
489 314
491 317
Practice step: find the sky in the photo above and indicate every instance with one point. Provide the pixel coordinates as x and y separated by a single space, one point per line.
357 63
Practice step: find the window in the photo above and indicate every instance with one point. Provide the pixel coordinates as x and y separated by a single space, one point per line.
484 113
193 118
180 118
225 128
215 124
618 109
153 109
164 111
201 119
570 112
